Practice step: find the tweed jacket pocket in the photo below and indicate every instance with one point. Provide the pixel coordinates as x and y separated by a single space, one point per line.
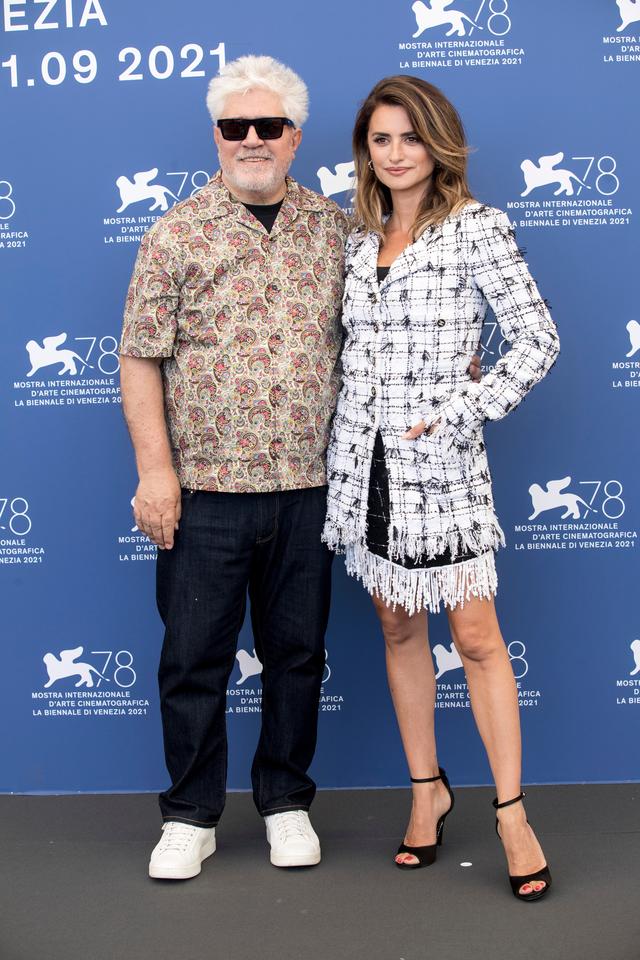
443 468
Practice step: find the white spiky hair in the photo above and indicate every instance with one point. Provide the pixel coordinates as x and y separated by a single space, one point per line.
249 72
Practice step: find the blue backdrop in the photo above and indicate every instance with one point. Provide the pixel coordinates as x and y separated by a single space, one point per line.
95 93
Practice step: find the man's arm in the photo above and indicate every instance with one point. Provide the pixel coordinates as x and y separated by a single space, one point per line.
157 500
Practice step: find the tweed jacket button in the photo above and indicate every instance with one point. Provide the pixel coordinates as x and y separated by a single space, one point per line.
441 322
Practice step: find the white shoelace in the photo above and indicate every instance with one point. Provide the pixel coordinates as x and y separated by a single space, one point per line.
292 826
176 836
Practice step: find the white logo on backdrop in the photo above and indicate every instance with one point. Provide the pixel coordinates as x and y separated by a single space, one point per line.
448 658
66 666
545 174
250 666
437 15
634 337
48 354
136 528
635 649
629 12
343 178
141 188
553 497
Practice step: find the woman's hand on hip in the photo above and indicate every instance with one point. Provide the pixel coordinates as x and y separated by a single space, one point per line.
419 429
475 368
475 372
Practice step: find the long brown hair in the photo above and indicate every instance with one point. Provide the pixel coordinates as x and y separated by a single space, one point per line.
438 125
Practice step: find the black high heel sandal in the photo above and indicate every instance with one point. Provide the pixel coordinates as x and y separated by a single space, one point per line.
426 855
517 882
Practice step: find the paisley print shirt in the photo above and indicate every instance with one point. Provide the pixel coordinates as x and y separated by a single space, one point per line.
247 325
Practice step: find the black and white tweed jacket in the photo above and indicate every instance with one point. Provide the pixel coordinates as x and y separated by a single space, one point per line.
407 348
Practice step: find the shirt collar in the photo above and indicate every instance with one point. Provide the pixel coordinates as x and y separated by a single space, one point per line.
215 201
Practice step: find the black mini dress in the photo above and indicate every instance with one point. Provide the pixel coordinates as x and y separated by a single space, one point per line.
379 514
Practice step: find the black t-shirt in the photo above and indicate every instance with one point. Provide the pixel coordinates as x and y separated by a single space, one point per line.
266 213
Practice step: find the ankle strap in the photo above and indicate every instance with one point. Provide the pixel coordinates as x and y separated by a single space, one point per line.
425 779
507 803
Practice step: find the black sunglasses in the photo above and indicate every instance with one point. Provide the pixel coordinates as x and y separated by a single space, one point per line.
267 128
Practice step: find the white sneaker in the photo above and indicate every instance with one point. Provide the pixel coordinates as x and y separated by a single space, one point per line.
181 850
294 842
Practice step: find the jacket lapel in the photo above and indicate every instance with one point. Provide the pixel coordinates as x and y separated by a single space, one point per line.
421 255
363 262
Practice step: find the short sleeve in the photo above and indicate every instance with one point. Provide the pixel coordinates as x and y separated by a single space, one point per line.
150 323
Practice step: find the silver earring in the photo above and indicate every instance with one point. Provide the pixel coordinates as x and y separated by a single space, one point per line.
370 165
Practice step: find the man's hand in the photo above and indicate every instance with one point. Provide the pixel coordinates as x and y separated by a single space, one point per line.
157 506
475 368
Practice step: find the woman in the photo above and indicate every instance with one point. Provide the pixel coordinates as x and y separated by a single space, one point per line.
410 499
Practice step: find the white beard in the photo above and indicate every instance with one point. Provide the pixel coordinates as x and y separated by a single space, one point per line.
260 179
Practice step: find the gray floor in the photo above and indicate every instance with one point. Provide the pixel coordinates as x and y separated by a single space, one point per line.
74 885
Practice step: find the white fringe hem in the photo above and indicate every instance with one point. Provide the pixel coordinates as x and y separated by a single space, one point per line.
477 539
453 584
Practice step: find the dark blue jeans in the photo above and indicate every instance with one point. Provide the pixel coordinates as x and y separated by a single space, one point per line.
228 543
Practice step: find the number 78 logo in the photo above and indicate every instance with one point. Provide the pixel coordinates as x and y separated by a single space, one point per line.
547 173
607 495
497 22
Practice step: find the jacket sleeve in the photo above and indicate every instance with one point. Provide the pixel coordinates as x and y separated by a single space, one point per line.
498 270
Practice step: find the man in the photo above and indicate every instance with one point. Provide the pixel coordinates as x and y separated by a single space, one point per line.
229 380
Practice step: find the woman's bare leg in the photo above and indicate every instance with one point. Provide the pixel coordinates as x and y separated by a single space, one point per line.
413 690
494 701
